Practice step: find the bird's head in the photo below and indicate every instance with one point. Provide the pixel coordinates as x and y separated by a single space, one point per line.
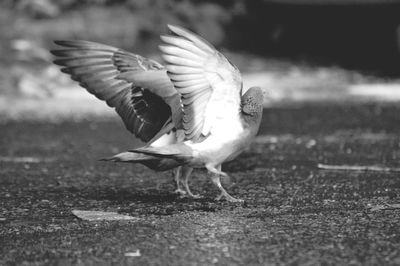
252 106
252 101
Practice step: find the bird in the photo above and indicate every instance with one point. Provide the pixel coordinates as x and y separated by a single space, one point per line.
192 111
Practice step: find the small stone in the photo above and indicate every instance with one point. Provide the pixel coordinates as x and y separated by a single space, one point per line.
133 254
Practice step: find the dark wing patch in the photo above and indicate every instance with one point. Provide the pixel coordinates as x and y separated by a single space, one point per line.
148 112
98 68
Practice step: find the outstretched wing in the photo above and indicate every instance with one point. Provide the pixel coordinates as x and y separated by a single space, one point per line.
210 86
138 88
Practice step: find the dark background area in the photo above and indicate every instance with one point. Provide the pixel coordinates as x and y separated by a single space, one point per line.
356 34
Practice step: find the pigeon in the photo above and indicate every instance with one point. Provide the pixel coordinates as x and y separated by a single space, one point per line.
191 112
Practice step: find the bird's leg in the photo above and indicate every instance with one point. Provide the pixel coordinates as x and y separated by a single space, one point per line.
177 173
216 179
186 171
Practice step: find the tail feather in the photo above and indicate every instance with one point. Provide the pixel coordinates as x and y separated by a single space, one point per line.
128 157
153 162
177 151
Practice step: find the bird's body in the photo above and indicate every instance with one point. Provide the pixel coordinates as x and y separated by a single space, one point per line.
191 112
232 143
208 152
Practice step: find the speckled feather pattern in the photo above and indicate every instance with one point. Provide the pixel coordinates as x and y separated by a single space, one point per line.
252 101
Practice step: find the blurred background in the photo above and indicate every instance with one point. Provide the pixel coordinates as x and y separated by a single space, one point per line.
298 51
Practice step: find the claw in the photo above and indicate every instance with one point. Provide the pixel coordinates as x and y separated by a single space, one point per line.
186 171
180 191
195 196
228 198
188 191
216 178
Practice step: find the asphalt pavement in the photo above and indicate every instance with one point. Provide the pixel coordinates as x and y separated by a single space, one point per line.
294 213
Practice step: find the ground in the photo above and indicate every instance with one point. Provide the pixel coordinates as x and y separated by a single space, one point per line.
294 213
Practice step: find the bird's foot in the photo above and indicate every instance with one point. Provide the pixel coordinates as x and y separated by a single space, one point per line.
183 194
228 198
189 192
195 196
216 180
180 191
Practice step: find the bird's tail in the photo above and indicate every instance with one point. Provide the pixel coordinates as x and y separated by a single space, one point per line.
128 157
156 158
179 152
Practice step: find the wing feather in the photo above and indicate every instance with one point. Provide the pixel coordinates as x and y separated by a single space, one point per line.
194 88
183 69
71 62
199 97
181 61
184 77
186 45
167 49
187 83
86 69
205 80
138 88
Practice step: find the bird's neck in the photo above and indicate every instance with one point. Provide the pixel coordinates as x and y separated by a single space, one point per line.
251 121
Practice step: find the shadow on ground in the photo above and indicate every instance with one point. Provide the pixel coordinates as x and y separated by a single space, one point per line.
293 212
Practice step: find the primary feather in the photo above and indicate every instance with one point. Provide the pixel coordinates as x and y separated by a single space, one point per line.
138 88
208 83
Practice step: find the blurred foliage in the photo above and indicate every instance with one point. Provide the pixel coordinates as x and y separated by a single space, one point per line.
139 19
34 7
29 27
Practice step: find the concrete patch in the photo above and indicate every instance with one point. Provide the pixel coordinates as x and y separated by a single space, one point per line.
94 216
